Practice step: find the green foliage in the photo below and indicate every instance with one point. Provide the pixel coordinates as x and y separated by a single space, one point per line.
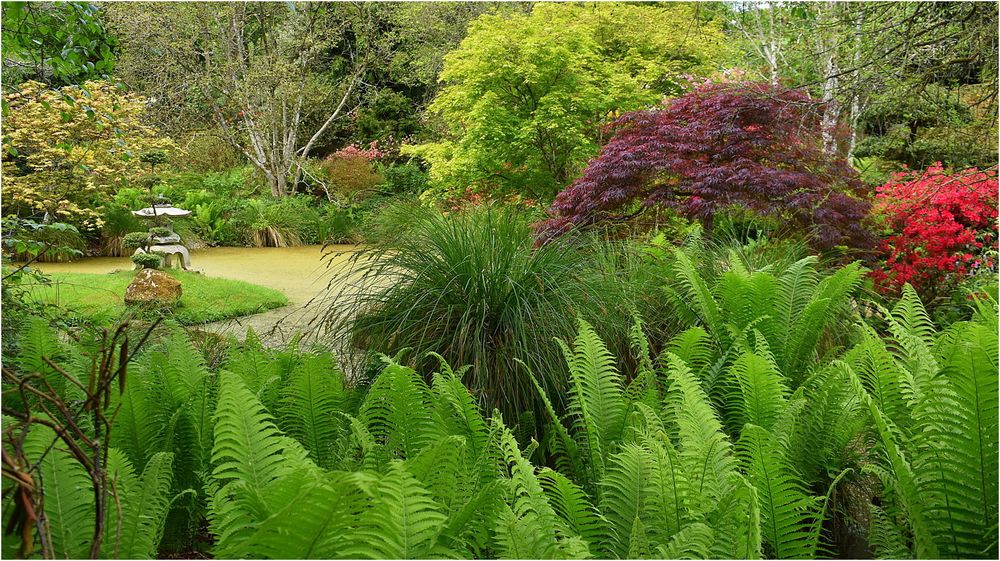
148 260
284 222
933 397
64 43
404 178
472 288
286 459
135 240
529 124
67 151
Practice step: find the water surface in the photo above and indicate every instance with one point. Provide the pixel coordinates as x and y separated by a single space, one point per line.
300 273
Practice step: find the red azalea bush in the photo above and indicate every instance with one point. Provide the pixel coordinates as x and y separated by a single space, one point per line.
940 227
752 145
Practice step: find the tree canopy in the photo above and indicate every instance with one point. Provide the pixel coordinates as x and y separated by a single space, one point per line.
752 145
526 96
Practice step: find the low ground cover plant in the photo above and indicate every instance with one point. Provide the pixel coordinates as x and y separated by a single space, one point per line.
712 448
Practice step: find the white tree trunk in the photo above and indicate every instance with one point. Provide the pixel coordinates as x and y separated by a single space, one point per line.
831 108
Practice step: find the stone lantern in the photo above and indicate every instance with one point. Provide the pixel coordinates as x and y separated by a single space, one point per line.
169 245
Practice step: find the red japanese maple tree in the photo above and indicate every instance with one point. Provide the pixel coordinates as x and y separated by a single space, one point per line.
940 227
752 145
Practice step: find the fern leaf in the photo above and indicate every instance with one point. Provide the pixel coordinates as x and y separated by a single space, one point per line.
956 442
788 513
759 394
694 541
704 449
574 508
736 523
144 502
403 523
527 526
248 446
902 474
831 297
695 292
69 495
398 412
317 521
598 399
311 400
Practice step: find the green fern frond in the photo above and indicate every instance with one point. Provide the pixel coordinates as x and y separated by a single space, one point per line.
646 482
640 345
694 292
831 297
797 285
136 433
694 541
912 317
882 377
704 449
564 448
902 474
316 522
403 522
527 526
258 370
573 506
736 523
788 513
638 541
399 414
886 538
597 402
69 496
758 394
144 503
248 446
310 402
36 342
956 441
910 345
458 407
441 469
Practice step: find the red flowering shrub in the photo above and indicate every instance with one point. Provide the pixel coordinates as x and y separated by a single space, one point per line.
752 145
939 227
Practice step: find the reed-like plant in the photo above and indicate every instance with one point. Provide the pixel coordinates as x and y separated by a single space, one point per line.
472 287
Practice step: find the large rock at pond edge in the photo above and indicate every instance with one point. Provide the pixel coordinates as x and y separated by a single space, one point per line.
153 287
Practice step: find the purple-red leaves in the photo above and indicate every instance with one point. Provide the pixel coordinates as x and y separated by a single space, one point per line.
752 145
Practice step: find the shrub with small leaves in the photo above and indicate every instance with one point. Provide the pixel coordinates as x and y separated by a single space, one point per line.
135 240
160 232
753 145
940 227
147 260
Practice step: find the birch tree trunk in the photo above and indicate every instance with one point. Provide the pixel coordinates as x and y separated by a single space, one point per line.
828 49
267 87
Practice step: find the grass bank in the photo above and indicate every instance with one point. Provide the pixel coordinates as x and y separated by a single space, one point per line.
99 298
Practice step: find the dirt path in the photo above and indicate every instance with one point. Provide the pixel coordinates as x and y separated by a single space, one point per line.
300 273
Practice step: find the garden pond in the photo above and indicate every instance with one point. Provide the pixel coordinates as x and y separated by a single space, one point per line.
300 273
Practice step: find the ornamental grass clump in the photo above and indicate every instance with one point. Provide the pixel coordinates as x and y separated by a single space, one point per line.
471 287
